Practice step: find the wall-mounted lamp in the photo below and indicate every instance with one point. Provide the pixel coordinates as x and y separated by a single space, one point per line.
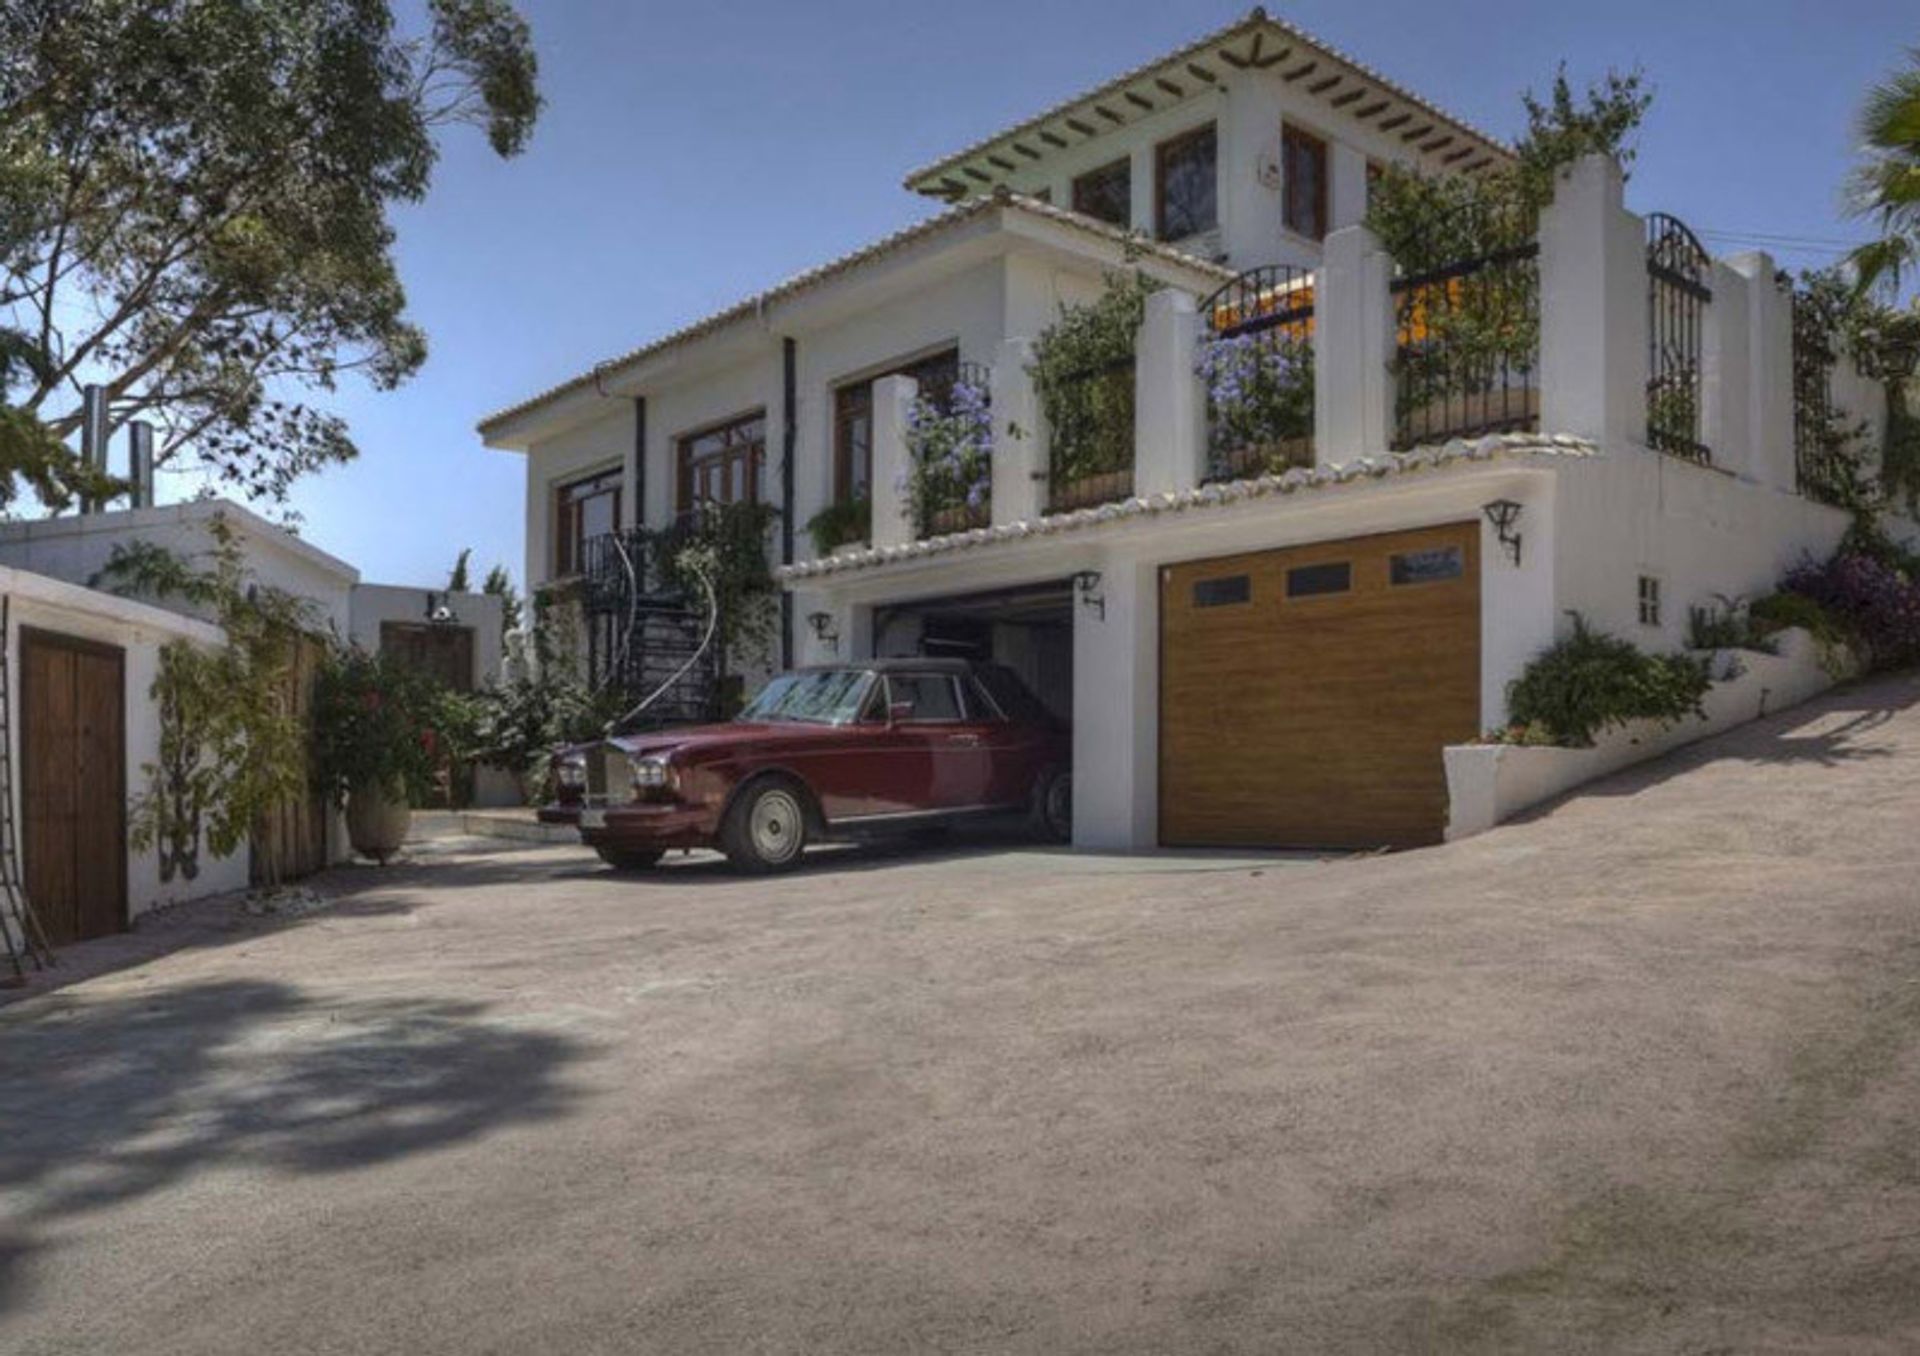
438 613
824 630
1086 585
1503 514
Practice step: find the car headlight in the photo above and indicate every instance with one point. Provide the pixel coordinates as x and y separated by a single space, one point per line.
651 774
571 772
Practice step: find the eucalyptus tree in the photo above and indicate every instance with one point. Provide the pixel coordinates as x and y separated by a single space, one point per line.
194 213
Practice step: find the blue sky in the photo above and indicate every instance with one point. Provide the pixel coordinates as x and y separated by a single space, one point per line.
693 152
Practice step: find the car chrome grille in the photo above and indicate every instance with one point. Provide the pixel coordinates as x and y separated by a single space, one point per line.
609 778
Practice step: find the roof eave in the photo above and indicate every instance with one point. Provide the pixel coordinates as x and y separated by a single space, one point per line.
948 177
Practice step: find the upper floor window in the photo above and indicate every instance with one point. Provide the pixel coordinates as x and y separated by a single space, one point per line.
1185 201
1106 194
1303 169
723 465
853 420
583 510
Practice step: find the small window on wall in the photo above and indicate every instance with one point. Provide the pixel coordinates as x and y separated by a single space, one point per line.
1426 567
1106 194
1303 171
1649 600
1222 592
1185 198
1375 173
1311 581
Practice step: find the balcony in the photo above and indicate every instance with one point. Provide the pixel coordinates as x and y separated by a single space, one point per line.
1598 323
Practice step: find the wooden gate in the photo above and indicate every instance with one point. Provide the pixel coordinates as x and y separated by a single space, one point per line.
294 833
73 784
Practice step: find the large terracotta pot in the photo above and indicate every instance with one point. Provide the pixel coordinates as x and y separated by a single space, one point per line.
377 821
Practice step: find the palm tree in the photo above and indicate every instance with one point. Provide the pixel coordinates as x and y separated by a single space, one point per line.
1887 186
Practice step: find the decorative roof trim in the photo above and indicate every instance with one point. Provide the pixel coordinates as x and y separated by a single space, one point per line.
1000 198
1494 447
1258 22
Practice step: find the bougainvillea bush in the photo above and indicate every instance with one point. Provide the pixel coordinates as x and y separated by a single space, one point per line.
949 457
1259 396
1877 603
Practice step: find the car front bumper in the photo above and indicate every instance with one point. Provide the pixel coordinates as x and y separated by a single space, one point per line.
647 824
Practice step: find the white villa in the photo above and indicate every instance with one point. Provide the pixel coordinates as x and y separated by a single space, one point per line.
1256 646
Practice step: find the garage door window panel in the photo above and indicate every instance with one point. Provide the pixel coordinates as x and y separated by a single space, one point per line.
1426 567
1224 591
1315 581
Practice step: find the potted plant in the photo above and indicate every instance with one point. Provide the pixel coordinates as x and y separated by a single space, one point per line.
375 746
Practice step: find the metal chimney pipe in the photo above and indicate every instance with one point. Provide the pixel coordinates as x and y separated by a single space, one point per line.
93 436
140 462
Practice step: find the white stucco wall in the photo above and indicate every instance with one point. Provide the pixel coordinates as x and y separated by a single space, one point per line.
76 547
139 631
373 604
1702 532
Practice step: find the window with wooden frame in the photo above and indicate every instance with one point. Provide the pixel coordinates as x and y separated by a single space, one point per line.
582 510
1185 188
1106 194
853 419
1303 170
724 464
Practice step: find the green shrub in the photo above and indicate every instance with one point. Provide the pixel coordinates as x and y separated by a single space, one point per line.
840 524
1590 681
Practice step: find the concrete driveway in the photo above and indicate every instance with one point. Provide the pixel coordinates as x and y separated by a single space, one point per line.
1642 1075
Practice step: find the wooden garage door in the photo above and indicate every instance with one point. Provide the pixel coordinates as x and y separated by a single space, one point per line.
73 767
1305 694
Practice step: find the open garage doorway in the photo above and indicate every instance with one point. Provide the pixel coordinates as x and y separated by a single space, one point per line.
1028 628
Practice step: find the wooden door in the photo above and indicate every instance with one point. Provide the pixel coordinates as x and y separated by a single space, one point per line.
73 771
1306 693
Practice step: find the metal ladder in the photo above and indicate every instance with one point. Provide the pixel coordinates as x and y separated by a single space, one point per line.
26 940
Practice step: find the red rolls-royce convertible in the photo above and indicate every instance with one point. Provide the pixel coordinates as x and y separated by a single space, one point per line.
841 752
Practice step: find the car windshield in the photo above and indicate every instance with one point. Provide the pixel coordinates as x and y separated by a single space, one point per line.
825 697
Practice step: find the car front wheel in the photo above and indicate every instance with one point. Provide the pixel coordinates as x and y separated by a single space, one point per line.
629 859
766 829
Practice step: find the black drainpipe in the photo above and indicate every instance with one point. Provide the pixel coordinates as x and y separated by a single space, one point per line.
789 434
639 461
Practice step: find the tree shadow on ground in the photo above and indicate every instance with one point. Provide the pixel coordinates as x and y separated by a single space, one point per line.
110 1100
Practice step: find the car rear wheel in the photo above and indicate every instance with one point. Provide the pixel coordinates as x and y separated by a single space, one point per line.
629 859
766 830
1052 815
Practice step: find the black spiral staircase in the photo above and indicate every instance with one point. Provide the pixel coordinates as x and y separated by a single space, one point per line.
642 633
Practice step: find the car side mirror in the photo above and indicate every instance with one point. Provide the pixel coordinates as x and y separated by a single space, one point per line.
898 711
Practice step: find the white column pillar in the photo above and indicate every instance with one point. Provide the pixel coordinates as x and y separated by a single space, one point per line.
1249 131
1352 348
1019 440
1593 308
1769 459
1116 710
1727 368
1169 404
892 510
